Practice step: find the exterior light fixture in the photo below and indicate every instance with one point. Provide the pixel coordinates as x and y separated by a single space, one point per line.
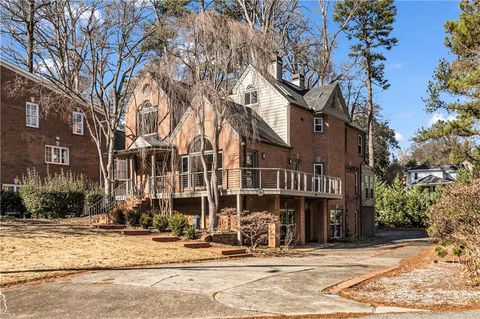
264 155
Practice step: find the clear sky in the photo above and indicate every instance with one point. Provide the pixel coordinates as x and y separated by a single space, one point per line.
410 65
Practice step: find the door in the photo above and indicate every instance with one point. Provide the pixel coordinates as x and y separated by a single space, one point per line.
317 176
288 233
307 225
250 173
336 223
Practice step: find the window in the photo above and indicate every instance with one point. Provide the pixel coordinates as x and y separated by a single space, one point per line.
369 186
356 183
318 168
77 123
318 124
32 116
11 187
121 169
250 96
360 145
147 120
56 155
415 176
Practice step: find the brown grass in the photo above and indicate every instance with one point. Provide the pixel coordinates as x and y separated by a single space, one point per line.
424 281
34 250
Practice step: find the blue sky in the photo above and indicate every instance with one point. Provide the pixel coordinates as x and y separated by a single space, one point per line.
410 65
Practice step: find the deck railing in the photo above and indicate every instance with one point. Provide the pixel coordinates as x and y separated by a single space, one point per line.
251 179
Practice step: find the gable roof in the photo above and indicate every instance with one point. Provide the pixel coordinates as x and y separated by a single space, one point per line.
148 141
433 180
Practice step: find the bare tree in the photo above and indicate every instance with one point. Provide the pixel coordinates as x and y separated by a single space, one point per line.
19 21
90 52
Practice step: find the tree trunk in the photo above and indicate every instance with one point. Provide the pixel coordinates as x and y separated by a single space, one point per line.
30 30
371 160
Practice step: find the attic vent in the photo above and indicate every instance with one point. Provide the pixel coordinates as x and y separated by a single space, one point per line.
283 90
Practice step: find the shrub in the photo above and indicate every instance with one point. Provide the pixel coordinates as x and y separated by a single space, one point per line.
441 252
94 195
160 222
54 196
190 232
132 217
254 227
455 218
146 221
177 223
11 202
118 215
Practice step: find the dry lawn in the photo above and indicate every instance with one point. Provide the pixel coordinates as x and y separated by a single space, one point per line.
424 281
34 250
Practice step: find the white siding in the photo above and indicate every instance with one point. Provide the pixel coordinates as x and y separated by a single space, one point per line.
271 106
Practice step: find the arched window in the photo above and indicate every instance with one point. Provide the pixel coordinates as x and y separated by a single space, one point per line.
196 144
147 119
250 96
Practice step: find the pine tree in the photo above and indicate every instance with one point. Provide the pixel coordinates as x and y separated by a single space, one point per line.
369 24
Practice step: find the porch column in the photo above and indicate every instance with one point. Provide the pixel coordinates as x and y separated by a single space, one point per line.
202 217
153 183
323 227
239 214
130 176
301 234
274 229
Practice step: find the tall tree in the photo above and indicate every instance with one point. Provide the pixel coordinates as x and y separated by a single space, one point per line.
19 21
455 87
370 28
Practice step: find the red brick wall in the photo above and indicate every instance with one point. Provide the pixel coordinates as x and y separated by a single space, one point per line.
23 147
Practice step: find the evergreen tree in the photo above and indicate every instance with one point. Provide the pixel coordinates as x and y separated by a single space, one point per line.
369 24
455 87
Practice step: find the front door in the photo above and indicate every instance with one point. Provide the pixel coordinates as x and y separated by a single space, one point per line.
250 174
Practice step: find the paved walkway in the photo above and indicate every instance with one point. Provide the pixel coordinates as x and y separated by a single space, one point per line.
217 289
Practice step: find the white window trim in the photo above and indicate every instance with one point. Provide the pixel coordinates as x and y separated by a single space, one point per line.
117 171
60 148
81 122
315 124
37 122
360 143
250 89
15 187
318 164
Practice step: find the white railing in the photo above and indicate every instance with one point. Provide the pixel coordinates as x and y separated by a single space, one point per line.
251 179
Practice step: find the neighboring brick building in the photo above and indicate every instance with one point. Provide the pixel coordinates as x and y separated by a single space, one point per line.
30 138
303 163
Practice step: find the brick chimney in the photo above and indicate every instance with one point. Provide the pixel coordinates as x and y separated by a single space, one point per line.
276 68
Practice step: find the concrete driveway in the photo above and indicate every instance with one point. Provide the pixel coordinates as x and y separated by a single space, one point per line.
217 289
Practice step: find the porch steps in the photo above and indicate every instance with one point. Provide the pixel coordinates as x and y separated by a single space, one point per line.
196 245
105 226
165 239
233 251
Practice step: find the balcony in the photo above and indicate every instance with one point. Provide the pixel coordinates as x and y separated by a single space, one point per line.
257 181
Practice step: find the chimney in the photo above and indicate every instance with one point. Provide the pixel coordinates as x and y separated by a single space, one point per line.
298 78
276 68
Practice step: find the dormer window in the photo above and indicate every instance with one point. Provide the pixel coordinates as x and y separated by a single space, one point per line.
147 119
250 96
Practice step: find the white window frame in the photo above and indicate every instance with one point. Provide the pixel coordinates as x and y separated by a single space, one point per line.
52 153
251 91
28 116
360 145
13 187
116 170
320 124
321 165
76 113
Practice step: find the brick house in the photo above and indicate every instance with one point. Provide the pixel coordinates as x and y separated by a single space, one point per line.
30 138
306 161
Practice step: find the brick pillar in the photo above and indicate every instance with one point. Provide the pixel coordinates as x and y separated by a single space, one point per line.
239 214
202 212
324 223
301 228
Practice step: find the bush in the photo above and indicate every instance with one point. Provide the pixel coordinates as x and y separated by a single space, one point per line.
254 227
397 206
94 195
160 222
190 232
118 216
11 202
146 221
455 219
177 223
54 196
132 217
